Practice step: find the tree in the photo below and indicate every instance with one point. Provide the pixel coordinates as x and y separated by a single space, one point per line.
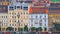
57 26
26 28
40 28
20 29
9 28
33 29
0 28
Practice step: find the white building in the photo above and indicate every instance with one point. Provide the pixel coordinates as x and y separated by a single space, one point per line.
3 21
39 20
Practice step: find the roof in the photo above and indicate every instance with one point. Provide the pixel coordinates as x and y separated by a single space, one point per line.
55 4
53 1
37 10
26 1
40 4
3 9
54 10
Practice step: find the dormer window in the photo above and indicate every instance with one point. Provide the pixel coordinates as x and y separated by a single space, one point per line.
18 6
11 8
25 8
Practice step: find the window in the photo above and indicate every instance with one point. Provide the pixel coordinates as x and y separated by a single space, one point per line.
11 8
41 20
24 12
45 16
36 22
10 13
15 7
12 16
15 13
12 24
21 25
18 21
21 7
10 20
15 16
2 16
31 24
25 8
15 20
45 20
40 16
2 20
18 7
36 17
21 20
45 24
21 12
6 16
31 20
6 24
40 24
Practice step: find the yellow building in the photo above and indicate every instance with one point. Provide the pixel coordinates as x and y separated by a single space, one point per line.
18 16
53 18
5 2
3 17
3 21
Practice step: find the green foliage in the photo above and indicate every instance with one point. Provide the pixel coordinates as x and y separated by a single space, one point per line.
40 28
57 26
9 28
26 28
33 29
20 29
0 28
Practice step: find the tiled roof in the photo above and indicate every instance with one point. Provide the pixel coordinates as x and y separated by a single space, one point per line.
55 4
54 10
3 9
37 10
26 1
57 8
40 4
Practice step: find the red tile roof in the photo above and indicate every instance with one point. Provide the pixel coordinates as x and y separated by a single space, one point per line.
37 10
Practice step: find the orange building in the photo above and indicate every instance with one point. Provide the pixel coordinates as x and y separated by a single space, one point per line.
5 2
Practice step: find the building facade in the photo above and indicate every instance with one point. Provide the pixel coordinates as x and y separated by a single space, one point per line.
18 14
38 17
3 21
3 17
5 2
54 14
53 18
39 20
